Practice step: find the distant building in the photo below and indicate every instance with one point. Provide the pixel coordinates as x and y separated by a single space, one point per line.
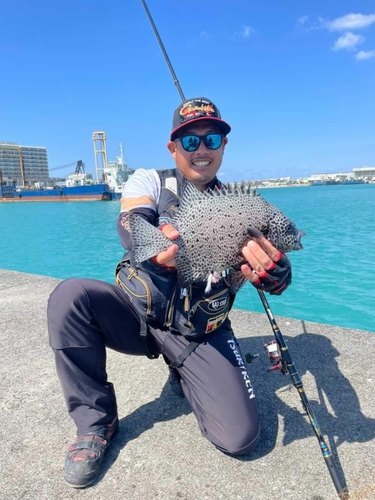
24 165
339 176
364 172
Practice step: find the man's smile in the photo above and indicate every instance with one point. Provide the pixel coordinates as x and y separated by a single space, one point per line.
201 163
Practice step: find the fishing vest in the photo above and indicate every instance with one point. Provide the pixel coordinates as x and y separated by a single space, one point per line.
155 293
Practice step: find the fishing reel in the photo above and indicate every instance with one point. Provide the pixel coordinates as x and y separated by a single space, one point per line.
274 355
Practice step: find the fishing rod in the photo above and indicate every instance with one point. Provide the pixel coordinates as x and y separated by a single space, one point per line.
175 81
285 364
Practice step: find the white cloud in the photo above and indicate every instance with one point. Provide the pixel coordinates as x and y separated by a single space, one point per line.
246 31
204 34
348 41
350 22
301 21
306 24
362 55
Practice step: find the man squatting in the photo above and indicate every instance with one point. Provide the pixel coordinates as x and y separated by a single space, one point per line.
86 316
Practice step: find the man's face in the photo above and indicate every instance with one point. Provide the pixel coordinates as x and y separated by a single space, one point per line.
199 166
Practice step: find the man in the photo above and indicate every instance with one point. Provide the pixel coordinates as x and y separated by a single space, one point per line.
147 313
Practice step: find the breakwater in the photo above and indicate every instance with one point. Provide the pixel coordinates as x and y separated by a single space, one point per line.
159 451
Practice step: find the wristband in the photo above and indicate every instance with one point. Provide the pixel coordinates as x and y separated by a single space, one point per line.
277 278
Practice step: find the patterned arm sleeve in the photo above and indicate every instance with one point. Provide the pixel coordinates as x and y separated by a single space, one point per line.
140 196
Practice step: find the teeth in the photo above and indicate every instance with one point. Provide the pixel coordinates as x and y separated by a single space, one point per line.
201 163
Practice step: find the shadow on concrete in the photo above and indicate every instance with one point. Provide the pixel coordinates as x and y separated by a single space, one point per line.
167 406
337 410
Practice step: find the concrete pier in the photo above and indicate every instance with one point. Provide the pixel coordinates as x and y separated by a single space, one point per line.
159 452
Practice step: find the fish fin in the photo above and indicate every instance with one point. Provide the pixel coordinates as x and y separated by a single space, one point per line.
185 276
148 240
236 189
217 190
254 233
236 280
213 277
223 189
209 284
191 195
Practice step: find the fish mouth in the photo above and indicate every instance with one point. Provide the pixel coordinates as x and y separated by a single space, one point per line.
298 245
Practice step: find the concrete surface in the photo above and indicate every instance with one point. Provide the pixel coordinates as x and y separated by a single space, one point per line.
159 452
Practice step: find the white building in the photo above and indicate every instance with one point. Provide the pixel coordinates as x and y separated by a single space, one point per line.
337 176
364 172
23 164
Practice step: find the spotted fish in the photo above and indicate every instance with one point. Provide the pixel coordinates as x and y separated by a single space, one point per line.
214 226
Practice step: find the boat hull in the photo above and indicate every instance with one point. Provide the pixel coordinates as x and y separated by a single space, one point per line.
94 192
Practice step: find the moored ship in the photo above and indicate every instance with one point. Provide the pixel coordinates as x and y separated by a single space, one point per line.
353 181
328 182
79 186
23 180
116 174
92 192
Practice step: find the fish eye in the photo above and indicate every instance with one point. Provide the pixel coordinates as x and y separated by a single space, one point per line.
289 228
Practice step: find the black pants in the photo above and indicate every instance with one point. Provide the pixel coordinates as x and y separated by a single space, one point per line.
85 316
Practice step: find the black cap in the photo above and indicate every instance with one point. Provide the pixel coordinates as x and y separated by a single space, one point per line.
193 110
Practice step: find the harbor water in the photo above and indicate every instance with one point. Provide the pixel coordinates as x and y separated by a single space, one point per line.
333 277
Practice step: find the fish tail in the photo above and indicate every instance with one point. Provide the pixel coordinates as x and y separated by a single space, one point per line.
148 240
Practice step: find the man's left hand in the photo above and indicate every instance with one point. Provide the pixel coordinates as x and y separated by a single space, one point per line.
268 269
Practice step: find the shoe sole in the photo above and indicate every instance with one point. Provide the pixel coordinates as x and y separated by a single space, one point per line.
78 486
89 482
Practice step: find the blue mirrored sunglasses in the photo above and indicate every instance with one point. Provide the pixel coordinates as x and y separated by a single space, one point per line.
192 142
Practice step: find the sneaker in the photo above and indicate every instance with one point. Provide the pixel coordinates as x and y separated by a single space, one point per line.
85 456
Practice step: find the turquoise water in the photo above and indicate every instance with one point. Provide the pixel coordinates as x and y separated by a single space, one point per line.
333 280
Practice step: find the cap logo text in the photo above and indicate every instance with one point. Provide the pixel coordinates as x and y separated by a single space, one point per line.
188 110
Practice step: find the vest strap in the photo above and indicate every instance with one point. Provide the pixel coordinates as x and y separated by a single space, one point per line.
178 362
143 334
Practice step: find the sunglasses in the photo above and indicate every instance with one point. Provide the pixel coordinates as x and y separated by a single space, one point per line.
192 142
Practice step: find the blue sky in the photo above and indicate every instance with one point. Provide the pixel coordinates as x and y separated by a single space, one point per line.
296 80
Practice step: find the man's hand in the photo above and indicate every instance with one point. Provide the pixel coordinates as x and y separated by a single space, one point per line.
268 268
167 258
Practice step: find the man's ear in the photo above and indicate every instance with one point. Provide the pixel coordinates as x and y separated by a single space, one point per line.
225 142
172 148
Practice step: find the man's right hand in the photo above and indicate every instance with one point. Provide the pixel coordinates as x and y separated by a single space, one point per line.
167 257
